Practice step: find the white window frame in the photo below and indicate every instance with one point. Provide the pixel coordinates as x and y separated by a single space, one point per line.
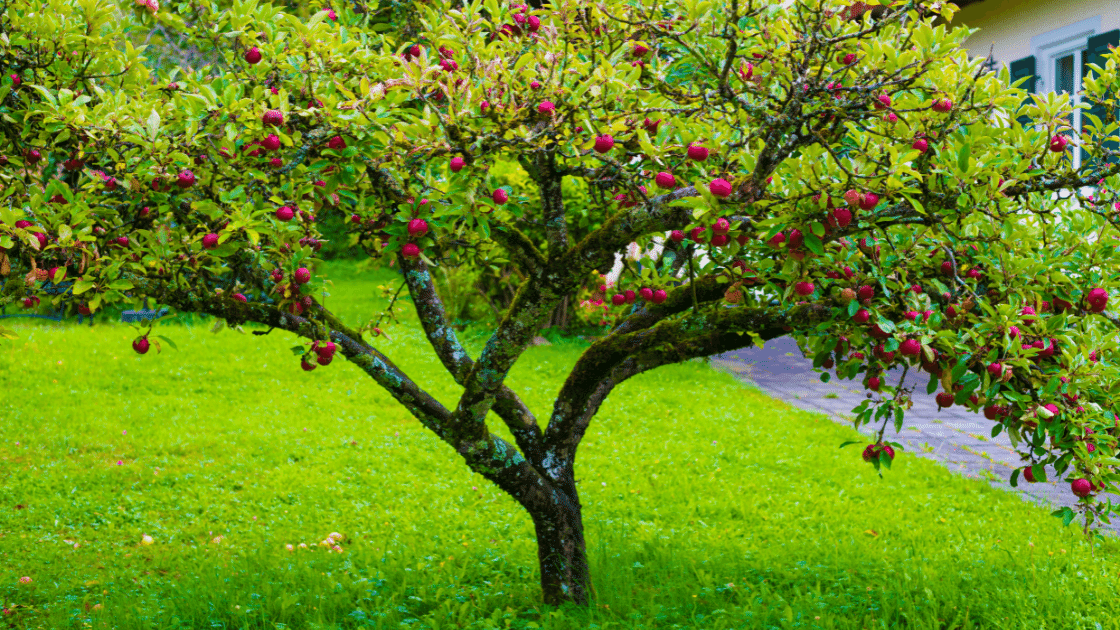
1050 46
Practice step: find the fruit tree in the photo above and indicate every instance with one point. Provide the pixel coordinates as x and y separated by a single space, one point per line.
858 181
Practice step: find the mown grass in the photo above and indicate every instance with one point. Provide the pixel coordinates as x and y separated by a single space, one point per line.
707 504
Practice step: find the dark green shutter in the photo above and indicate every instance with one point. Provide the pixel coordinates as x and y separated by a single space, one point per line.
1095 53
1020 68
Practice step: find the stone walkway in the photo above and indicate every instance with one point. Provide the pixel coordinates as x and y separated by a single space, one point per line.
954 436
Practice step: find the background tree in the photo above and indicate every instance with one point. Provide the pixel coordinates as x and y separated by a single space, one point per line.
863 185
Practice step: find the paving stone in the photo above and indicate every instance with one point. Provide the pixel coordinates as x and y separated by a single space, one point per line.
780 370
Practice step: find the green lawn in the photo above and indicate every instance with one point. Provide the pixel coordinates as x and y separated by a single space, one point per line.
707 504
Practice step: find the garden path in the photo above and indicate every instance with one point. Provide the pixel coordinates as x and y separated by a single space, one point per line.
954 436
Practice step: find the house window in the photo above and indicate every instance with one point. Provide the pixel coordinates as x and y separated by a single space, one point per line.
1059 56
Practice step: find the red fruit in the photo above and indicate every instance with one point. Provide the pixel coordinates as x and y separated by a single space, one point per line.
417 227
944 399
659 296
253 56
721 226
645 293
973 273
186 179
410 250
995 369
457 164
874 383
336 143
630 296
947 268
33 156
868 201
665 180
719 240
866 292
1052 408
1058 143
878 333
604 143
210 241
840 218
697 152
676 236
651 126
873 450
910 348
852 197
1097 299
942 106
618 299
284 213
796 239
273 118
500 196
21 224
1061 305
304 363
16 80
855 356
58 199
921 145
55 274
1028 474
141 345
991 412
742 239
122 241
776 240
883 102
848 58
1081 487
696 235
861 316
271 142
546 107
911 315
804 288
720 188
303 275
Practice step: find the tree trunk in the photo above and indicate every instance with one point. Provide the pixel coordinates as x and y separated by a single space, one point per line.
565 576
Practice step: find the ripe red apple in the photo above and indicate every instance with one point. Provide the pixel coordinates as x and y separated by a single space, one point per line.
840 218
284 213
302 275
659 296
995 369
1028 474
868 201
645 293
721 226
500 196
697 152
271 142
273 118
720 188
873 451
776 240
676 236
618 299
1058 143
122 241
910 348
33 156
883 102
866 292
410 250
546 107
874 383
1081 487
804 288
944 399
1097 299
141 345
336 143
417 227
921 145
942 106
604 143
665 180
186 179
306 365
210 241
253 56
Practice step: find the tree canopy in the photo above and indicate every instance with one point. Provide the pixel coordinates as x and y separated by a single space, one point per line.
858 180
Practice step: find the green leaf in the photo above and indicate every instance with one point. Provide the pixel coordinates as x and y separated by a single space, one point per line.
120 285
82 286
996 430
298 350
962 157
814 244
168 342
850 442
153 125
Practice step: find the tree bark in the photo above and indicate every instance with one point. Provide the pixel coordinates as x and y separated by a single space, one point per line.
565 576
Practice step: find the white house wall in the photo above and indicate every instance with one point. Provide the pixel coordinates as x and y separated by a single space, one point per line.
1007 26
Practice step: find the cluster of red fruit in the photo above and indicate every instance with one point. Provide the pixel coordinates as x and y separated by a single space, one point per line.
324 354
